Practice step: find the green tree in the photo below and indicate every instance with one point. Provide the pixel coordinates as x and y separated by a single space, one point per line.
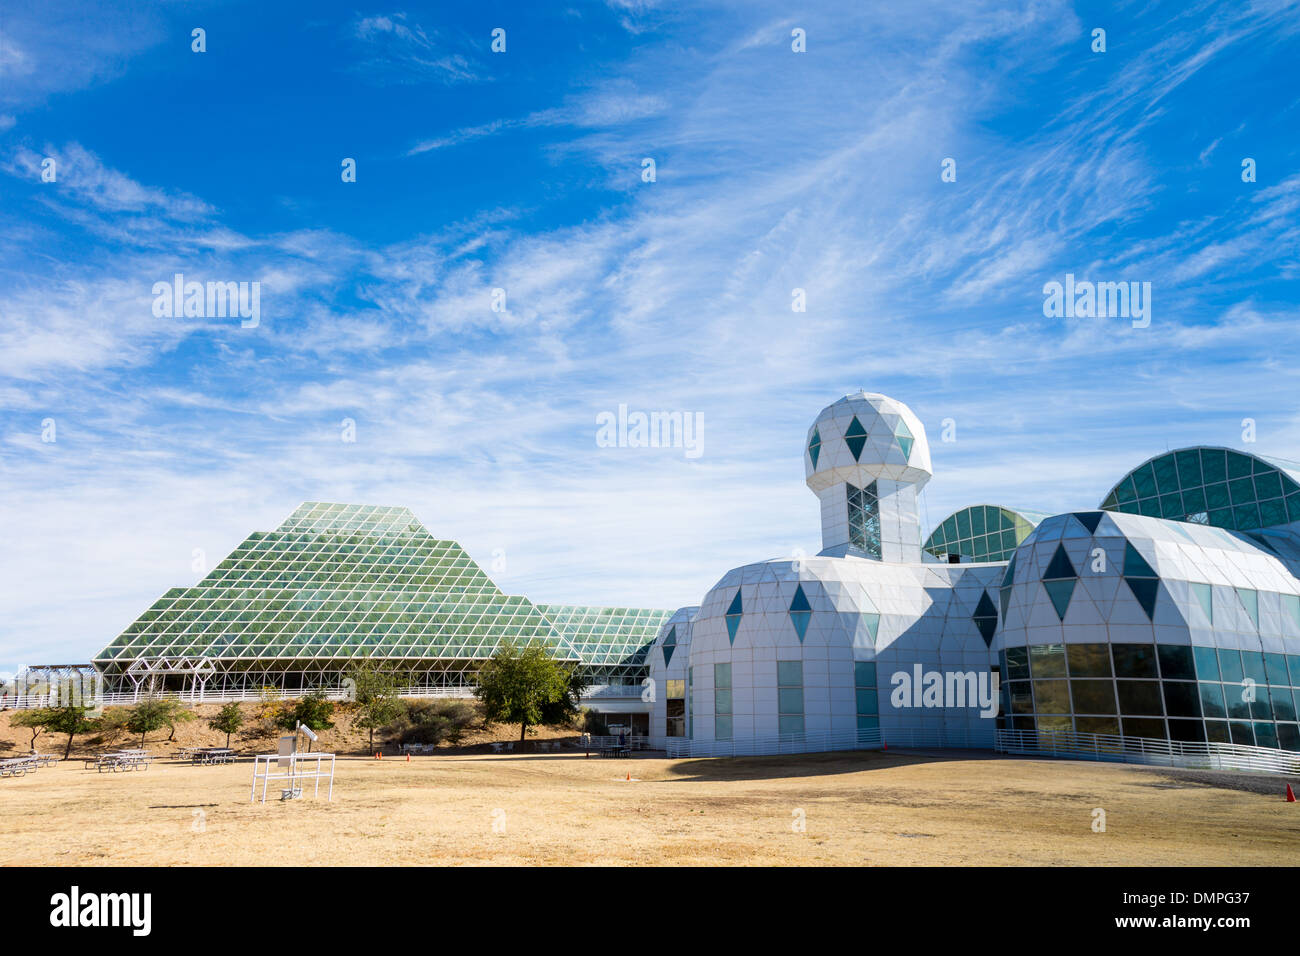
148 715
375 696
37 719
70 720
312 710
228 720
565 711
176 713
521 685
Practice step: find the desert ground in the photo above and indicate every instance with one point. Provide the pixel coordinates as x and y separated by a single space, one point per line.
891 808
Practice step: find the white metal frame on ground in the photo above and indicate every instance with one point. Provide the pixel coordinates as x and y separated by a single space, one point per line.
294 774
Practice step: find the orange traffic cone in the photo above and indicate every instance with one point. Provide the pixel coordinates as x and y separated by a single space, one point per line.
408 758
1290 794
629 776
377 755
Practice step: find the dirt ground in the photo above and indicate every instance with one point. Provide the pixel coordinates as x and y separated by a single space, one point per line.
861 808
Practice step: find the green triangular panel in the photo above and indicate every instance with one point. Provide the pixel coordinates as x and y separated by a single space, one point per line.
986 618
1089 519
800 619
905 438
873 624
1135 565
670 645
800 602
733 622
855 436
1060 592
1060 566
736 606
1145 589
815 446
1011 571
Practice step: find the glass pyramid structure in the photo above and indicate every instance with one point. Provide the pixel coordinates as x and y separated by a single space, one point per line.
294 607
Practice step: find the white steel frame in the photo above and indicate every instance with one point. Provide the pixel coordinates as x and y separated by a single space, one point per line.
294 775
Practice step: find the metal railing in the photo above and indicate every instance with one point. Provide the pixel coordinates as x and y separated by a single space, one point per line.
1146 750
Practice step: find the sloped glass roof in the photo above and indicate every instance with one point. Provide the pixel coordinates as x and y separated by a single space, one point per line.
982 532
1213 486
606 636
347 581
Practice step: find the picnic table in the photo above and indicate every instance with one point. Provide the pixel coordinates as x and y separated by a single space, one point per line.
616 750
419 748
17 766
123 760
207 756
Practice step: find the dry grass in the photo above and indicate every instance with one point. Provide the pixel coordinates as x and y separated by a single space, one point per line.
862 808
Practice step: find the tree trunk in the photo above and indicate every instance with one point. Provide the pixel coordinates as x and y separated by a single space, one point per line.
142 741
68 749
523 729
35 733
227 740
372 739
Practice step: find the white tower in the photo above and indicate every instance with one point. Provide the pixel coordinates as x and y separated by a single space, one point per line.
865 458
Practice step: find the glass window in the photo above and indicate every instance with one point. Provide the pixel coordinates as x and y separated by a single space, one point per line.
1018 663
1134 660
1182 699
1047 660
1051 697
1235 696
1212 700
1191 731
1139 697
1288 736
1096 725
868 702
1138 727
722 728
722 700
789 673
1261 708
1265 734
1089 660
790 700
1275 667
791 725
1022 698
864 673
1207 663
1242 732
1230 666
675 688
1216 731
1283 703
1176 662
1252 662
1093 696
722 676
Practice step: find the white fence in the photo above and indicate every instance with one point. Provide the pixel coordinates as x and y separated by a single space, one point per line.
1167 753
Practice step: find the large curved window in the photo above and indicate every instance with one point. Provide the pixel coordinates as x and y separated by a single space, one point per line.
981 533
1214 486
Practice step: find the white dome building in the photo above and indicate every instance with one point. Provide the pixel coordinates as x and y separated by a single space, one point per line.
1169 618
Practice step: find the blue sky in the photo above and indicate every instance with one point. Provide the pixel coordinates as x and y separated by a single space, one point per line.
522 171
